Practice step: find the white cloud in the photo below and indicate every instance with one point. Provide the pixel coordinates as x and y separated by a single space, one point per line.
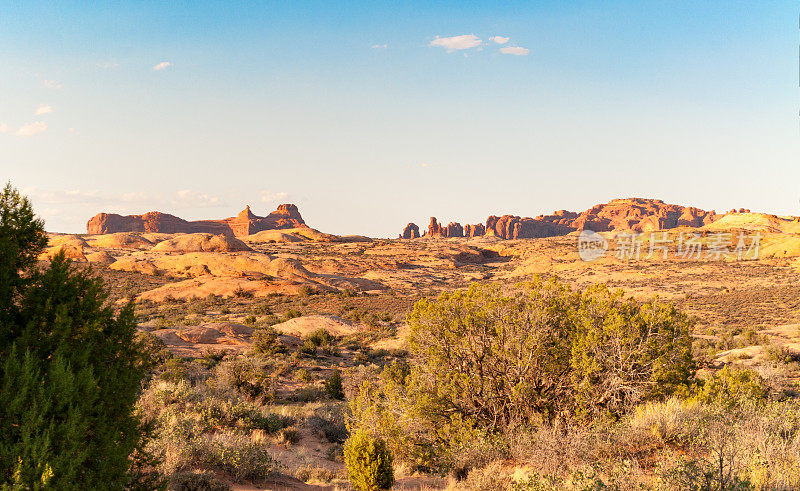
4 128
499 39
31 129
52 84
453 43
379 46
43 109
515 50
162 66
272 197
195 198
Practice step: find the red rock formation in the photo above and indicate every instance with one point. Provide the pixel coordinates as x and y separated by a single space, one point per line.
434 229
641 215
245 223
635 214
453 229
410 232
476 230
514 227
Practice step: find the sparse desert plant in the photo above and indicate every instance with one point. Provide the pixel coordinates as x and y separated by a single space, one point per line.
196 481
320 337
671 421
238 457
732 387
303 375
292 314
314 474
309 348
368 462
266 341
288 437
334 386
240 292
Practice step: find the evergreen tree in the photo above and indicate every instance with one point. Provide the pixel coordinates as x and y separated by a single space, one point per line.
71 368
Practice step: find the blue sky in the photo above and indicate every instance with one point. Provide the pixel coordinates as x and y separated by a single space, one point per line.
369 115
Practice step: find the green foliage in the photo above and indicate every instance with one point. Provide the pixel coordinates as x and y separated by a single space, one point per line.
71 369
309 348
320 337
334 386
732 387
266 341
291 314
501 358
483 360
368 462
196 481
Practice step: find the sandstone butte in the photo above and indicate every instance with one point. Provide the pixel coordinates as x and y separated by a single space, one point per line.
243 224
635 214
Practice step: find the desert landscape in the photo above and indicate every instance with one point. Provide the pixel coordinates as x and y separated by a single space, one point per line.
421 246
283 309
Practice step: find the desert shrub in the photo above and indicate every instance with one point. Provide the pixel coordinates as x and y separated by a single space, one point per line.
732 387
210 357
368 462
240 292
238 457
334 386
250 320
266 341
309 348
196 481
246 376
303 375
671 421
307 394
314 474
291 314
70 367
262 309
174 369
153 347
501 358
330 421
288 436
482 360
320 337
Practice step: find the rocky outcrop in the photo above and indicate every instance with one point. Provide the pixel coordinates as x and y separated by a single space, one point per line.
410 232
245 223
641 215
634 214
476 230
434 229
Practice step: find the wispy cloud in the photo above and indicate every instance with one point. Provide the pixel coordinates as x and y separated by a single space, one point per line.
4 128
499 39
31 129
194 198
43 109
272 197
454 43
162 66
108 64
515 50
379 46
52 84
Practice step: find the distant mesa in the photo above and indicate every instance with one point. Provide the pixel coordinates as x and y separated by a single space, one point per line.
634 214
244 224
